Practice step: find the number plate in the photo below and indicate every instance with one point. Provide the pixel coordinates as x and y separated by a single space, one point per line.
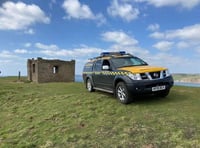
157 88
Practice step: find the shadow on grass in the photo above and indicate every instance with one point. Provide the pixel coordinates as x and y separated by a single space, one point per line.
144 99
173 96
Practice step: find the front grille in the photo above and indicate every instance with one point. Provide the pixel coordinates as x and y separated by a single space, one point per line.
153 75
144 76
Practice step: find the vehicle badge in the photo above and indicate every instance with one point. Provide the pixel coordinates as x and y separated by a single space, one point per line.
155 74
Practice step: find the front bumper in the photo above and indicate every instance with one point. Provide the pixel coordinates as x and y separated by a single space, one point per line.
145 86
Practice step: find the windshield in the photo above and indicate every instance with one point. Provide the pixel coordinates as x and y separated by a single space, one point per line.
127 61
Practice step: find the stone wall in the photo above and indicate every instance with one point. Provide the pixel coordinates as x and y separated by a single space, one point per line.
42 70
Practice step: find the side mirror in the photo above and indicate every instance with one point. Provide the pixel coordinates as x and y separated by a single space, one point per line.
105 67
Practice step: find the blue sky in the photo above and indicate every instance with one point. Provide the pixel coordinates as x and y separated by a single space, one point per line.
163 33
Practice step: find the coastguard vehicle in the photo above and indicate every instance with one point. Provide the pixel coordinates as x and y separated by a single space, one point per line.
126 76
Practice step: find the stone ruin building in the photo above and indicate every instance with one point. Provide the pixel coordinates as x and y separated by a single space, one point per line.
42 70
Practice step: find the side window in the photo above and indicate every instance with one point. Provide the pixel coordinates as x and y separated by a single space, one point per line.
106 62
88 67
97 65
106 65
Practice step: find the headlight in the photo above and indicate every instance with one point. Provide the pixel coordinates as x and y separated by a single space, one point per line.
135 76
167 72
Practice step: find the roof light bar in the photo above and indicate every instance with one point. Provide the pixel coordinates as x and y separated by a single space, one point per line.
113 53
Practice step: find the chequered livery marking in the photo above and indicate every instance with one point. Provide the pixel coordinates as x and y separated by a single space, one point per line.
108 73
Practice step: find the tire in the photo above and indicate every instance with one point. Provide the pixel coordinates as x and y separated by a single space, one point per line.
89 85
122 93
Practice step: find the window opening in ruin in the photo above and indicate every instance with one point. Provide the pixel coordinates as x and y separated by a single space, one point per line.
33 68
55 69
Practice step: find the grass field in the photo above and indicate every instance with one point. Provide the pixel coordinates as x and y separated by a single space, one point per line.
66 115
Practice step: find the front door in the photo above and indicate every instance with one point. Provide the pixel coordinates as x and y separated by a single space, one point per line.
107 76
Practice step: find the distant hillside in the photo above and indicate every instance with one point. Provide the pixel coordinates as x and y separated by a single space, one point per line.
190 78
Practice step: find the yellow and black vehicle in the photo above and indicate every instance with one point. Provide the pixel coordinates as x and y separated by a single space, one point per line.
125 76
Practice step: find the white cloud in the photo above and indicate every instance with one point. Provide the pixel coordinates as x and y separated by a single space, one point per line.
100 19
171 61
74 9
163 45
189 4
15 16
186 37
20 51
6 54
46 47
119 37
123 42
53 50
164 59
187 33
29 31
157 35
182 45
153 27
27 44
198 50
123 10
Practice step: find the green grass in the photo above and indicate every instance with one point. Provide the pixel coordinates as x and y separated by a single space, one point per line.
66 115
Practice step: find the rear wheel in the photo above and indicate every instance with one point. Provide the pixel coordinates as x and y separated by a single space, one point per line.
122 93
89 85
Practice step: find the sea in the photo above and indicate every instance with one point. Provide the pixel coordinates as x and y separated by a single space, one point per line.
187 84
78 78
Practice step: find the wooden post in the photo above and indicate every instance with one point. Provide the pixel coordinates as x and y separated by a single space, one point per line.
19 76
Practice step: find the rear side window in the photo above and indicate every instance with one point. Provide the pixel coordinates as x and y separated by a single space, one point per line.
88 67
97 65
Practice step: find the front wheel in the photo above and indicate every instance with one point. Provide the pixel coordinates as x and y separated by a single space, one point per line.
122 93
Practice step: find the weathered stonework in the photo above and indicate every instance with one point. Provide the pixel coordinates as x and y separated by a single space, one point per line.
41 70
